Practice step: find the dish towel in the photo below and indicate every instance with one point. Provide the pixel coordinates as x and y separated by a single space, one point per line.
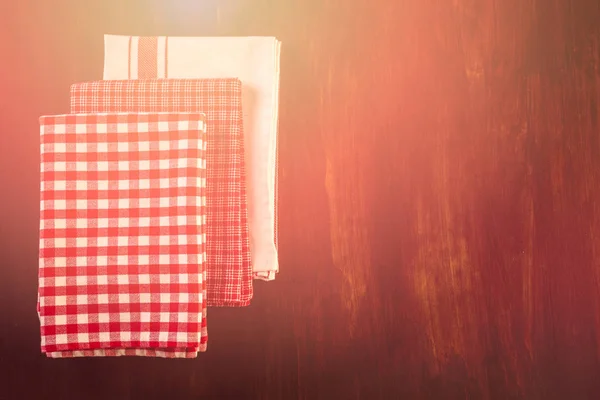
122 241
255 61
229 272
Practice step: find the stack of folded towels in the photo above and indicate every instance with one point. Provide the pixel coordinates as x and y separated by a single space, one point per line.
158 195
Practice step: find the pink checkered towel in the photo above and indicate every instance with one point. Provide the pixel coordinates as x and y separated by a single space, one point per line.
122 235
229 271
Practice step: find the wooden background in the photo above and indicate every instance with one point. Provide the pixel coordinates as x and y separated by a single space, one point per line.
440 235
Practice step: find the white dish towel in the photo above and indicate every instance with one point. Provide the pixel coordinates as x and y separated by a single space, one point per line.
255 61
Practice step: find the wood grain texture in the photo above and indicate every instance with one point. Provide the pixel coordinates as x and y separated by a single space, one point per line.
440 230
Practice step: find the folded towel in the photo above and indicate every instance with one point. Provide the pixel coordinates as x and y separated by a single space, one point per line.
122 220
229 272
255 61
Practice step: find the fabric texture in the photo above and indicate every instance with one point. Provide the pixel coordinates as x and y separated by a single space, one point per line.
255 61
122 235
229 270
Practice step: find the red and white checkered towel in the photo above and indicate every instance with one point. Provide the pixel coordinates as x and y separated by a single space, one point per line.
229 270
122 235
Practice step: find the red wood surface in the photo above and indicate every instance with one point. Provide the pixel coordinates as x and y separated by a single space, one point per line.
440 233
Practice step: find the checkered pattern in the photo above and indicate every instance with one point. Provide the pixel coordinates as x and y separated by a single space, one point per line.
122 234
229 270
